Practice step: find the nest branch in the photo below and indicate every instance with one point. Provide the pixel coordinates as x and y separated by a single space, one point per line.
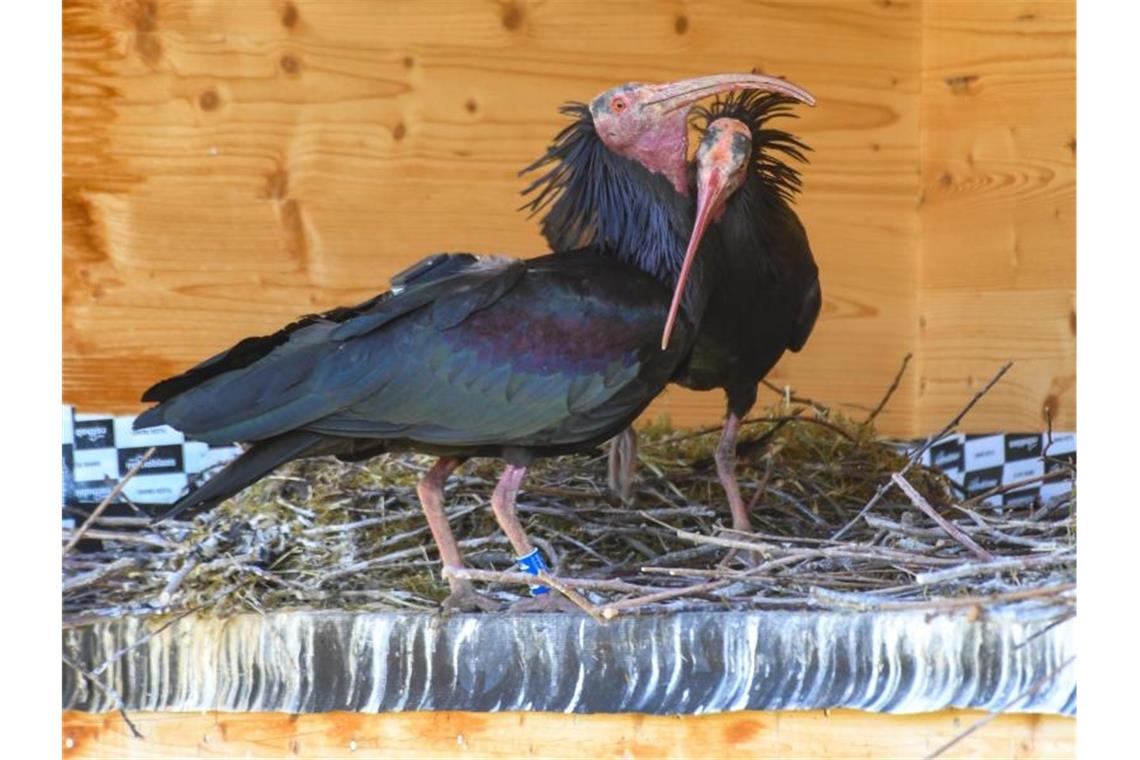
842 518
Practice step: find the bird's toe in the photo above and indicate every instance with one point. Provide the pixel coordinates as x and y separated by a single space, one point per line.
548 602
464 598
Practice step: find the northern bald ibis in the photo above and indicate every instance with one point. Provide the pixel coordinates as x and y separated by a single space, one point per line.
766 297
472 356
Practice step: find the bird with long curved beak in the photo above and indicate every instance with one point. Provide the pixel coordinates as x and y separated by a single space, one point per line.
648 125
722 166
476 356
649 122
768 296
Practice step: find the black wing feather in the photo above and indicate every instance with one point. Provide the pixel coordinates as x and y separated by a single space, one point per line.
249 350
546 352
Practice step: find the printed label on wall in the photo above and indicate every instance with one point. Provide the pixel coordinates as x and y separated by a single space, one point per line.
92 432
981 463
99 449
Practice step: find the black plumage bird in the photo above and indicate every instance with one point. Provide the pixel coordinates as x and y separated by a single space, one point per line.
478 356
769 298
767 295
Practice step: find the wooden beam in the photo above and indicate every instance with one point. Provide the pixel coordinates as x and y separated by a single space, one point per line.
809 734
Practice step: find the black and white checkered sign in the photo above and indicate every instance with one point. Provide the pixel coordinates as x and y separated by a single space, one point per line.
99 449
980 463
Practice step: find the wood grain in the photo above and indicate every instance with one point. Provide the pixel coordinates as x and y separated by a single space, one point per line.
228 166
809 734
998 222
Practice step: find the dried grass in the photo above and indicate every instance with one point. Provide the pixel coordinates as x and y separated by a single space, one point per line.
325 534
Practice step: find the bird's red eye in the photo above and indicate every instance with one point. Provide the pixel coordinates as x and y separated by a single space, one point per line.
617 105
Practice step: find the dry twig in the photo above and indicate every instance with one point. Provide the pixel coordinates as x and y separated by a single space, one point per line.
107 689
118 489
325 534
890 391
917 500
1030 691
917 455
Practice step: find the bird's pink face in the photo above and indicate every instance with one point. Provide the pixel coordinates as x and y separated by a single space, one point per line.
722 164
648 123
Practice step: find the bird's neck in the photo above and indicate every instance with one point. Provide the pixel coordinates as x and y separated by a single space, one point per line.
762 232
664 149
594 197
642 221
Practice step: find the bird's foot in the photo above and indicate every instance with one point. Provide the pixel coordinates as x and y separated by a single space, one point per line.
464 598
551 601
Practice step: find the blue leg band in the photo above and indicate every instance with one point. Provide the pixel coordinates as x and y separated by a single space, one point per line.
534 564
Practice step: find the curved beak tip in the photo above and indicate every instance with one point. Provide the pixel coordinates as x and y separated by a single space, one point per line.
687 92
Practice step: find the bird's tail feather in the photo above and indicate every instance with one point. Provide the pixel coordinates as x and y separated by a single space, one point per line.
253 463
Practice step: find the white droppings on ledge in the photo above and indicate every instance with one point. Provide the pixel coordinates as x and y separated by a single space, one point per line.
675 663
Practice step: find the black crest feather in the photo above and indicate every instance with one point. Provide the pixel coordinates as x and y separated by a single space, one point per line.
755 108
593 196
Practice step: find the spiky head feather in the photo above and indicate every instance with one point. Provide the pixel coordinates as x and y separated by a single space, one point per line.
769 146
592 196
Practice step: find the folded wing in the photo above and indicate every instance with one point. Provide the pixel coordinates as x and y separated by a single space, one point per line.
469 352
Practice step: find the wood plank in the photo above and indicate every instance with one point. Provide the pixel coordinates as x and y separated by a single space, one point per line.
967 336
998 221
228 166
814 734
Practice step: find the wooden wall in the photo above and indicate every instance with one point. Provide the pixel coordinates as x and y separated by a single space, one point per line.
229 165
998 211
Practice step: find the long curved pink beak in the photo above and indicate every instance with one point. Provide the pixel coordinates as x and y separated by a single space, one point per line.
685 92
710 198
